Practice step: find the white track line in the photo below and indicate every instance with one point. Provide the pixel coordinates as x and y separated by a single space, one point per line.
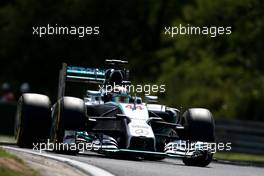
87 168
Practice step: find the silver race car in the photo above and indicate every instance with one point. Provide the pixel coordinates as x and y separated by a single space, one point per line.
113 122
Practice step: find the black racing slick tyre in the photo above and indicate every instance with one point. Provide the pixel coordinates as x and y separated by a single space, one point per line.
200 126
69 113
33 119
200 161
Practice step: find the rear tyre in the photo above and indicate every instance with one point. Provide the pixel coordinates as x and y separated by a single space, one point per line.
33 119
200 126
69 113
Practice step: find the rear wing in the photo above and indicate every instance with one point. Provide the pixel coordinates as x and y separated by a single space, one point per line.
79 74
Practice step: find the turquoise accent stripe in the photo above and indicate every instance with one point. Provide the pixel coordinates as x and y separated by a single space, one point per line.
86 78
99 73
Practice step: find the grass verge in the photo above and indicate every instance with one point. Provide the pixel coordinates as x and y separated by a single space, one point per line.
10 165
238 157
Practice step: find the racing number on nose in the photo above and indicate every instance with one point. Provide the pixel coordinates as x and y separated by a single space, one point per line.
131 107
141 132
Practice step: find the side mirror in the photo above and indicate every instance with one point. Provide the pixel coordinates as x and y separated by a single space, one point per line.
151 99
137 100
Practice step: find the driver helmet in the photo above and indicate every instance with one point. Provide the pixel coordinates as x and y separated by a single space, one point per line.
120 95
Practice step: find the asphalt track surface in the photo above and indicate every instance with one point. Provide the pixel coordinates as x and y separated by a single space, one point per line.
168 167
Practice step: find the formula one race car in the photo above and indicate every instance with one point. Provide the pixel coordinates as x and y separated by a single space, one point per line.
114 121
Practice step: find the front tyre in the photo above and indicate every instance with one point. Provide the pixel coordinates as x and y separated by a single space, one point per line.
200 161
200 126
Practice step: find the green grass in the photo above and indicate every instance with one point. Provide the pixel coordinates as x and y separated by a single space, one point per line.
3 153
8 172
10 161
238 156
